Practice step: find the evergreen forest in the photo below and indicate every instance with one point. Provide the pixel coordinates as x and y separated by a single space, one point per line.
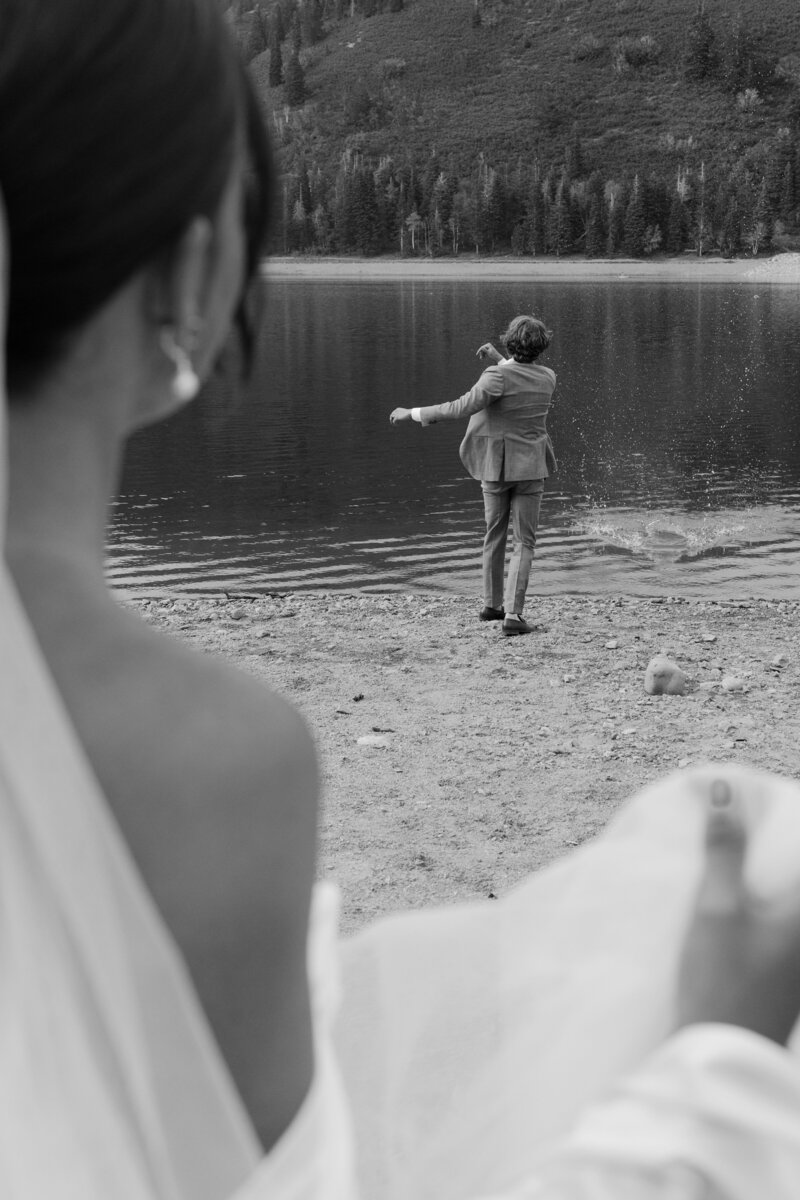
529 127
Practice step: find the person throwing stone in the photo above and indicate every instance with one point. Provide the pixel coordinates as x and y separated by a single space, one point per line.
508 449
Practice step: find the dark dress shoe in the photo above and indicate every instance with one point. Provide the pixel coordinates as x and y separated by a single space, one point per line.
491 614
513 626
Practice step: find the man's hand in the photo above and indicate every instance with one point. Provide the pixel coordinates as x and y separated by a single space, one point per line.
741 959
487 350
400 414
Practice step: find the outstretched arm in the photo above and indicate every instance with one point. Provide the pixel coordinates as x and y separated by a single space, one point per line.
489 388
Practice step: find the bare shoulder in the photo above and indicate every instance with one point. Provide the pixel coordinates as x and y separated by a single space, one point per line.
181 740
213 781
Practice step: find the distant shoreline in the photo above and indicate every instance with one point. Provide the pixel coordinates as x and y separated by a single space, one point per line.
782 268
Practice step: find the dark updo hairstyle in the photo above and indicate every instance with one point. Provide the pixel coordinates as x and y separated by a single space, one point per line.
119 123
526 338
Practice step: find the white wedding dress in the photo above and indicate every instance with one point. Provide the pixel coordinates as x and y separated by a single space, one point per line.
521 1047
507 1049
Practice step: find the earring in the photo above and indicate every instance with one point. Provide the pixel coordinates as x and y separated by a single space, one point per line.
185 383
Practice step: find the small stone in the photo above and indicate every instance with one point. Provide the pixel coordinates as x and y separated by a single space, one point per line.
684 762
732 683
780 661
375 740
612 645
627 732
237 614
664 677
709 637
568 678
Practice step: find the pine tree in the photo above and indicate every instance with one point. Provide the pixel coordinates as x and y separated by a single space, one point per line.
657 199
635 222
295 83
275 64
493 211
595 234
559 222
251 34
304 188
761 228
730 238
775 174
388 194
366 212
536 220
677 226
278 26
321 229
701 222
788 196
311 22
295 34
617 207
442 196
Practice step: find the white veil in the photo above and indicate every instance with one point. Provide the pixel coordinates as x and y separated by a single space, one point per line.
99 1030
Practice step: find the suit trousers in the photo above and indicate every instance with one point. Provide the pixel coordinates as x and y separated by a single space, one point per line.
516 500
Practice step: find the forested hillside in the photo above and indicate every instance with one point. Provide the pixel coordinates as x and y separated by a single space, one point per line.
596 127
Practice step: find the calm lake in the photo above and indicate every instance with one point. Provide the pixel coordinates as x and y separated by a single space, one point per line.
676 426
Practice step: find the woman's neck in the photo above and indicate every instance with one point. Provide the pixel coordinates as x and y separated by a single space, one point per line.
64 468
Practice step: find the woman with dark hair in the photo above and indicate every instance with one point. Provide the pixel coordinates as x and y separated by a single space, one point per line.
507 448
135 174
154 1051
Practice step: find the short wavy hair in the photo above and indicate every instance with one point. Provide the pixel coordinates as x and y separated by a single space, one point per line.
526 338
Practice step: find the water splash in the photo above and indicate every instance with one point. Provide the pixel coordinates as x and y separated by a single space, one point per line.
670 537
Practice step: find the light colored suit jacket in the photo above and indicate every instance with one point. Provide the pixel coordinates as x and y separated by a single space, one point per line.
507 433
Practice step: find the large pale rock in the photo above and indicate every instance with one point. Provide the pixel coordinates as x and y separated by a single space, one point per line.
664 677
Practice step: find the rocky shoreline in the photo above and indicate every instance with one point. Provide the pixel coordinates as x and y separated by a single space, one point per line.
455 761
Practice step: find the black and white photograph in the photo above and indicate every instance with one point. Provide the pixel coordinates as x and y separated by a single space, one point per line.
400 600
